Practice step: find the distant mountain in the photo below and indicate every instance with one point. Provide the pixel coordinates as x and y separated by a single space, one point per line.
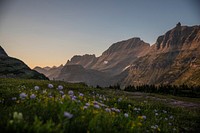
77 73
173 59
50 72
121 55
87 61
14 68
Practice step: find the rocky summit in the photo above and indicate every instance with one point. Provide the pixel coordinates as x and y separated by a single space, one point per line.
173 59
14 68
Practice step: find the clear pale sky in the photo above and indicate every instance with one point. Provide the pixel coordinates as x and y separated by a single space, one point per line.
49 32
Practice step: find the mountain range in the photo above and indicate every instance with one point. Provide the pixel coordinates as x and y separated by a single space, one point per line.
14 68
173 59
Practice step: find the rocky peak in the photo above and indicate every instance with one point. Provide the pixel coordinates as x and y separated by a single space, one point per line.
85 60
125 45
2 52
177 37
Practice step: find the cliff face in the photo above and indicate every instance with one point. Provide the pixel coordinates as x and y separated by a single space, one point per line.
15 68
120 55
173 59
87 61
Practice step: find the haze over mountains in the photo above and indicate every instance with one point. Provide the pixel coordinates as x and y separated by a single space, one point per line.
173 59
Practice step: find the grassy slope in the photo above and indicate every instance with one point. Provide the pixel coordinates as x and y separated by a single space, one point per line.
45 114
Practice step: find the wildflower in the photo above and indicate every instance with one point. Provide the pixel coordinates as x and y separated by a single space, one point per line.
71 92
95 102
144 117
23 95
171 117
155 110
60 87
50 86
87 104
164 111
68 115
97 106
61 92
44 91
36 88
170 123
63 96
33 96
120 99
174 129
153 127
85 107
116 110
14 98
156 114
126 115
107 110
17 116
166 119
81 94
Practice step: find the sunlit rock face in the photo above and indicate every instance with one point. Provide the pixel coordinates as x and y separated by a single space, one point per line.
173 59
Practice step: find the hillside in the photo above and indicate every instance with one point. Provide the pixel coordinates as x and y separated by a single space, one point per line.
14 68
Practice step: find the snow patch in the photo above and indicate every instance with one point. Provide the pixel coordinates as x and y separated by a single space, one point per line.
105 62
126 68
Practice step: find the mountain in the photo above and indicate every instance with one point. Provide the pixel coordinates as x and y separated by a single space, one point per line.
50 72
120 55
77 73
87 61
173 59
2 52
14 68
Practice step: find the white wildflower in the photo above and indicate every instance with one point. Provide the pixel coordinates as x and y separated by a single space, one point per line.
96 106
126 114
33 96
68 115
23 95
36 88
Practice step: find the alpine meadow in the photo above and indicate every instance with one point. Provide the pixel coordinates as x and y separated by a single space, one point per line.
89 66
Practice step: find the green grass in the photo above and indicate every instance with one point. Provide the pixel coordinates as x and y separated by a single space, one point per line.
45 113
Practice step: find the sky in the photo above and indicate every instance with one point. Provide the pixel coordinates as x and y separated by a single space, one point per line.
49 32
